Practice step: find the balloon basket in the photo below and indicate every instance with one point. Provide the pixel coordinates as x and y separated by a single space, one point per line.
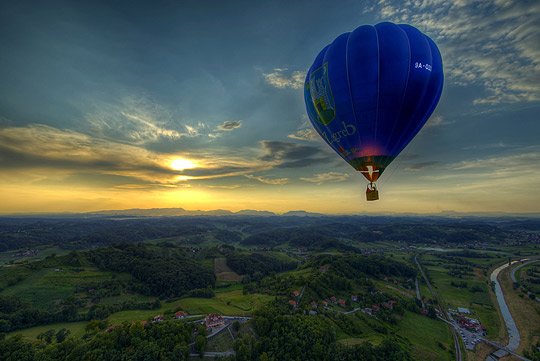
372 194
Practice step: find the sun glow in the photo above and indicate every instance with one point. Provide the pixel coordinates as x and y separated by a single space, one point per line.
182 164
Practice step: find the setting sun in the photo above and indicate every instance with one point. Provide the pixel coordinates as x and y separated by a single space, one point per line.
182 164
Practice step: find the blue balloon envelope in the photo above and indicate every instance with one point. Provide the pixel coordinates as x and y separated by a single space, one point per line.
370 92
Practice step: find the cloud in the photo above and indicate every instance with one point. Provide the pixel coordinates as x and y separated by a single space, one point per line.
50 153
139 121
307 134
271 181
229 125
421 166
292 155
493 44
321 178
514 165
282 79
437 121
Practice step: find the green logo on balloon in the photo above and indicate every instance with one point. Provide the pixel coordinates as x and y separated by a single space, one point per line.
321 95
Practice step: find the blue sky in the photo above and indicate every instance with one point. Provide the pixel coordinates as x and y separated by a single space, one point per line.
98 100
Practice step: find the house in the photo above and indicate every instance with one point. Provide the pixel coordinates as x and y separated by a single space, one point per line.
293 303
324 303
312 313
464 310
342 302
180 314
296 293
354 298
376 307
213 320
158 318
313 305
333 299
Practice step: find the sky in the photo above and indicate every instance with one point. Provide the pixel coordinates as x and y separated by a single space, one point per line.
199 104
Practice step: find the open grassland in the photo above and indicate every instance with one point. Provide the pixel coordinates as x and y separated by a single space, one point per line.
42 252
220 343
430 339
530 280
225 303
46 286
228 303
76 329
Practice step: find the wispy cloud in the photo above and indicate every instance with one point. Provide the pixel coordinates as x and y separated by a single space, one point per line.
321 178
265 180
282 78
304 134
421 166
437 121
139 121
494 44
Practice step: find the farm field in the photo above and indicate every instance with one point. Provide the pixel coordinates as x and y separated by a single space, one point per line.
474 293
430 339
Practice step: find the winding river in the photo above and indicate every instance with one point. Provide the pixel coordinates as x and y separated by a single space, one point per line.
513 333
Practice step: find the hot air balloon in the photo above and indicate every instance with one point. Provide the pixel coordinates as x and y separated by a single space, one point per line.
370 91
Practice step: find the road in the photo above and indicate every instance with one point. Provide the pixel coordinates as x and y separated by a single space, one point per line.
445 318
418 296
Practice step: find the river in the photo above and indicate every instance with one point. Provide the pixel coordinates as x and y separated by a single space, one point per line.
513 333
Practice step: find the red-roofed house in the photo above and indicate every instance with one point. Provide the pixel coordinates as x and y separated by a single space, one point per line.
180 314
342 302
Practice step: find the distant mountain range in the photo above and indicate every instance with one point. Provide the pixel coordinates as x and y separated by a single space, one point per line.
181 212
178 212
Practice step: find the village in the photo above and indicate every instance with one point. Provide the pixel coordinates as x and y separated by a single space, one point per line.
330 304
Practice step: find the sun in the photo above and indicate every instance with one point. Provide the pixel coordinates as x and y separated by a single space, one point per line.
182 164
